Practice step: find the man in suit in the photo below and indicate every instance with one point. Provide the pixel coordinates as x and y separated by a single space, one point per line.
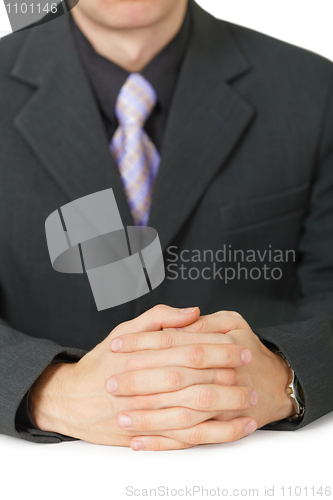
241 127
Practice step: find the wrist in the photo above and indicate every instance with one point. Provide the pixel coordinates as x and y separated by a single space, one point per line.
286 405
47 398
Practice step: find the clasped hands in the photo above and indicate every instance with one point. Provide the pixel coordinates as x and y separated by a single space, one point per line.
169 379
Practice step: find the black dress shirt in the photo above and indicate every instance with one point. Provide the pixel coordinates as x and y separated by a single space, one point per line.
106 79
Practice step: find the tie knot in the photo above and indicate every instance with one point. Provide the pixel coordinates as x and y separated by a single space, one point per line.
135 101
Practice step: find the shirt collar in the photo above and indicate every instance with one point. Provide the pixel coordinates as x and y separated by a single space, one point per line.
107 78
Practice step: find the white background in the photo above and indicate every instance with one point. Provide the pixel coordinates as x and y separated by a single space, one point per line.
306 23
82 471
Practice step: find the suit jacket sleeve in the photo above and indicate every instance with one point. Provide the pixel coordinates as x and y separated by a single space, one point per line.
308 342
22 359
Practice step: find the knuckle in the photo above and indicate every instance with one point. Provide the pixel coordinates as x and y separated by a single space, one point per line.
200 325
196 356
232 433
219 314
205 398
130 383
132 340
156 444
195 436
229 356
174 379
158 310
144 422
241 399
185 418
235 314
119 329
168 339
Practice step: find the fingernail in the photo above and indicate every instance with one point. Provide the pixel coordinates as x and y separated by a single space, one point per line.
111 385
137 446
254 398
188 310
246 356
116 344
251 427
124 421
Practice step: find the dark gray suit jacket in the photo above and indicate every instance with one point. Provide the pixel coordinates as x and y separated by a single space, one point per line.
247 161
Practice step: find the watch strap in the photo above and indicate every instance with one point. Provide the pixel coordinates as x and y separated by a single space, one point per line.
292 391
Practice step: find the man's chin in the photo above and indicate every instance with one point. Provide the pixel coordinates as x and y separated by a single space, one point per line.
126 14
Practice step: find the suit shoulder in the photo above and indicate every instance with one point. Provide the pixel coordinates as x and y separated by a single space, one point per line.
10 46
264 50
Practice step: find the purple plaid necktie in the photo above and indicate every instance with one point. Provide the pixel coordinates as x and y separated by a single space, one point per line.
135 154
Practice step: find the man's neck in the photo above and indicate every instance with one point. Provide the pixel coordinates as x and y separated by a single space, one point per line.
132 48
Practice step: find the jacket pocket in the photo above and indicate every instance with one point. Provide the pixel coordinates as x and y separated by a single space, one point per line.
265 210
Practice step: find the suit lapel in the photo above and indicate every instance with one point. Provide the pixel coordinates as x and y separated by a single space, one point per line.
61 121
206 121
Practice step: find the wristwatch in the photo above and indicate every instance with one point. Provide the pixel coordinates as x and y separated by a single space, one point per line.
295 391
